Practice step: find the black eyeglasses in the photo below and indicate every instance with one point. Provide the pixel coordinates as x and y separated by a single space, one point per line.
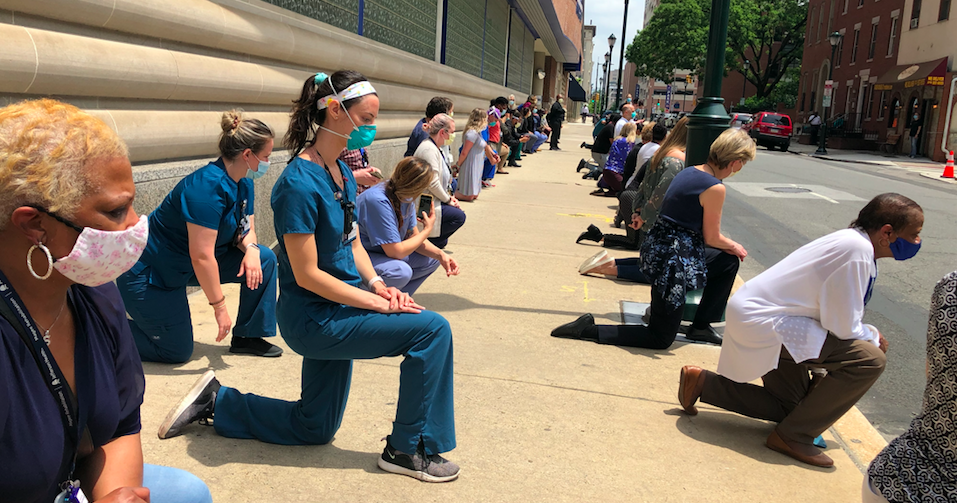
58 218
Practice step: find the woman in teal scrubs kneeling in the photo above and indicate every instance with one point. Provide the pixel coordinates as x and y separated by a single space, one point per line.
327 312
203 234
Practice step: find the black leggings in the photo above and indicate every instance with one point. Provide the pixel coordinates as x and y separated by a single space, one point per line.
665 322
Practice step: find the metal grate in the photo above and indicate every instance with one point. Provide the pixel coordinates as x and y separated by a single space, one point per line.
408 25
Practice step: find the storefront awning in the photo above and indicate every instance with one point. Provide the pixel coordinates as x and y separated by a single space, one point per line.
930 73
575 91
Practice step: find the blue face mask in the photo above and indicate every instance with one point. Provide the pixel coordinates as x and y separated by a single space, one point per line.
260 170
634 114
904 249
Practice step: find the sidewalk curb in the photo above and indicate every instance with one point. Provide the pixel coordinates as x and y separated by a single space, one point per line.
852 161
939 178
859 438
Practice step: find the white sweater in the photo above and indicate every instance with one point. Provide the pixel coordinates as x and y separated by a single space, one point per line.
819 288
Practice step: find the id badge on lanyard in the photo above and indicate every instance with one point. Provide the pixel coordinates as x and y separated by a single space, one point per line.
243 227
71 493
16 314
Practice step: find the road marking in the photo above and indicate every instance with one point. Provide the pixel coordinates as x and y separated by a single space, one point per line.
585 286
760 189
586 215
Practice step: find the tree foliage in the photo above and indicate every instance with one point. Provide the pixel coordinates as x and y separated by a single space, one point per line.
769 34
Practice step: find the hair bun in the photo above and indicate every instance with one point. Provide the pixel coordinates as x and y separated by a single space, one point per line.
231 120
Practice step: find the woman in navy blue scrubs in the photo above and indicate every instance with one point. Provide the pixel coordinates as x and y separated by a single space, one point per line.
334 309
71 383
203 234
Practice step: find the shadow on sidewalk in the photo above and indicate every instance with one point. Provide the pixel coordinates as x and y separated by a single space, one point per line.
736 433
212 451
213 353
443 302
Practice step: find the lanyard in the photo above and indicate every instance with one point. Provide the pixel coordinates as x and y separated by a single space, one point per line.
13 310
348 207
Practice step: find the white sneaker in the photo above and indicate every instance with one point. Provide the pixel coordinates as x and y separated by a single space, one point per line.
597 260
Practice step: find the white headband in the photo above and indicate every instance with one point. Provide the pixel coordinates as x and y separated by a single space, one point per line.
357 90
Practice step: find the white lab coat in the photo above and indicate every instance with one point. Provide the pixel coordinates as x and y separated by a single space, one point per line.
817 289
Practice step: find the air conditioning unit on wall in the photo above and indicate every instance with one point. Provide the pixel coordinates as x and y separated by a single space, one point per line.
913 22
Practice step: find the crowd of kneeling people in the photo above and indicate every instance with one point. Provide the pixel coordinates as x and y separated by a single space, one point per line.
351 252
798 326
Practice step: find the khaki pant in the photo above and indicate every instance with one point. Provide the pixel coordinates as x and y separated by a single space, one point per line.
803 412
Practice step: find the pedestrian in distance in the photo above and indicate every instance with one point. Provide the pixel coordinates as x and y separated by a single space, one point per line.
814 120
675 259
555 119
204 234
919 465
72 380
449 214
333 308
401 254
584 112
806 313
915 127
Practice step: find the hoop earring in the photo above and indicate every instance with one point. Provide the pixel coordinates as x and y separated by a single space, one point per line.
884 242
46 251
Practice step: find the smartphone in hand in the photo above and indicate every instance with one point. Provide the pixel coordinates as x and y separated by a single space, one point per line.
425 206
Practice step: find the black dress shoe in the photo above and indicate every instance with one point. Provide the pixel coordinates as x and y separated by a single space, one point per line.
582 164
254 346
575 329
592 234
706 334
513 164
583 145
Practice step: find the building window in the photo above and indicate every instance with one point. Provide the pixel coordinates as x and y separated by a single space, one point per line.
845 7
882 105
915 14
873 46
830 18
944 13
803 89
893 38
820 22
860 3
870 101
857 36
840 53
810 28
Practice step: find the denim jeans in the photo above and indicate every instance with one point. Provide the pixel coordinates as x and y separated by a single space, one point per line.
172 485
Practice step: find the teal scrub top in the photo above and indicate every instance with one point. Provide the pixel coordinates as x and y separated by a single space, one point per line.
207 197
305 201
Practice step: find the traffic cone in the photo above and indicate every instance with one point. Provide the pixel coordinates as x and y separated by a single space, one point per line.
949 168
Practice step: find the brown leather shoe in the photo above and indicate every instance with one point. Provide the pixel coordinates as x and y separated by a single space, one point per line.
690 387
802 452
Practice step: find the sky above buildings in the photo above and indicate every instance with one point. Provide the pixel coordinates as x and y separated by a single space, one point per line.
607 16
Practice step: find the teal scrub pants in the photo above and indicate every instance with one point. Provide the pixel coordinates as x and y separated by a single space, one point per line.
160 319
329 340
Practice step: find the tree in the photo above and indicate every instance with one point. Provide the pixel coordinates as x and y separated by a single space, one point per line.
769 34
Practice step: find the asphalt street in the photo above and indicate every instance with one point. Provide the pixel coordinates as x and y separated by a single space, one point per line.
781 201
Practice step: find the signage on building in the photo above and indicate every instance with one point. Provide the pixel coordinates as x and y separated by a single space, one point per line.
668 97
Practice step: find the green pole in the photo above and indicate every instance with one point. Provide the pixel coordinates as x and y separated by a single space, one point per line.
709 118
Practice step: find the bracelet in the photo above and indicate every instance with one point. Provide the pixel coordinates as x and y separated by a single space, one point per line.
375 280
219 305
252 245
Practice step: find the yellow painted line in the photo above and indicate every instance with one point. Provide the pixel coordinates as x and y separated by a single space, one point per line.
587 215
585 286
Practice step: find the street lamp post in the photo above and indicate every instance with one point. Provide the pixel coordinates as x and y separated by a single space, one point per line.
621 55
744 85
834 38
709 118
602 98
611 50
607 80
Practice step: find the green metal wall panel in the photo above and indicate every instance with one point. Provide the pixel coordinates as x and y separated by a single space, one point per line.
516 53
496 41
408 25
339 13
464 36
528 62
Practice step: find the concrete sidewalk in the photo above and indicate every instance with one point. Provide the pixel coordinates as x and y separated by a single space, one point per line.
538 418
925 167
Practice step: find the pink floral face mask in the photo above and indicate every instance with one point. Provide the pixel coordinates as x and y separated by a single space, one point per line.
99 257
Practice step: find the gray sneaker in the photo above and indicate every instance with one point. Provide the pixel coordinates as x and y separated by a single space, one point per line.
197 405
422 466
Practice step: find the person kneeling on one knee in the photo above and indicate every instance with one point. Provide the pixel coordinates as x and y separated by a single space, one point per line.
684 251
203 234
804 314
402 256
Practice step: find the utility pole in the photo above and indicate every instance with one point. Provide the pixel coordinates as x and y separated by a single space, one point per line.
621 55
709 118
